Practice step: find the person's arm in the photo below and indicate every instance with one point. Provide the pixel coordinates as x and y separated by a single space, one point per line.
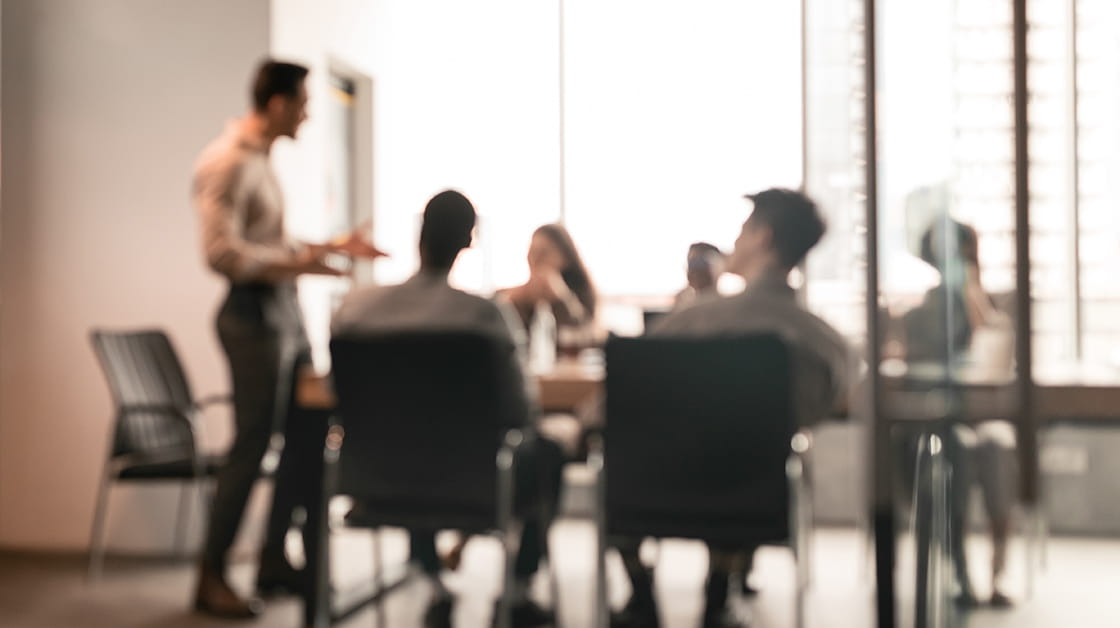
222 204
566 306
355 243
551 289
521 401
981 311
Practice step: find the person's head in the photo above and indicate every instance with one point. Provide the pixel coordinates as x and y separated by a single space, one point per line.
950 246
947 240
705 265
552 249
449 219
783 227
279 95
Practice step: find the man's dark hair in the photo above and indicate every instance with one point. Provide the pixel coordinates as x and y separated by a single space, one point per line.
448 221
792 218
961 243
703 249
276 78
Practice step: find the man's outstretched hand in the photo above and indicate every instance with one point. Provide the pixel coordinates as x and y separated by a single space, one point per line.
356 244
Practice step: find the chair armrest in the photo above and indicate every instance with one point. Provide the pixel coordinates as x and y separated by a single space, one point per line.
800 505
187 416
801 449
214 399
595 450
156 408
511 441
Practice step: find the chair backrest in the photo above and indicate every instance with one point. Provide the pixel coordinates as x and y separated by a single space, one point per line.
650 317
697 437
143 371
422 417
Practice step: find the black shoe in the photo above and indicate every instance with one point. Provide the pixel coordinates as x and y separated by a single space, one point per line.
716 612
525 613
965 600
636 615
1000 600
722 619
215 597
277 577
744 587
438 614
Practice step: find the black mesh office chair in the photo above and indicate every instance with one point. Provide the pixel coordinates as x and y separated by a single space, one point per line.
700 443
155 428
426 440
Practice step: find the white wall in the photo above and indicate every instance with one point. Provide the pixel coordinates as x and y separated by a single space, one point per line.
323 35
105 106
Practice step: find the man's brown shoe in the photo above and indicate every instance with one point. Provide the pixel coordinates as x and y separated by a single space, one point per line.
215 597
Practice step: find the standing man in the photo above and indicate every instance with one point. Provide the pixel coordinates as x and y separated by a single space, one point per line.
241 213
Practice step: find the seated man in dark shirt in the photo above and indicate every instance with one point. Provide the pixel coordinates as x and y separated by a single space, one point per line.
426 302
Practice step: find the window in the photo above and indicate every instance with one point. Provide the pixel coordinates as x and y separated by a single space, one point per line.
671 112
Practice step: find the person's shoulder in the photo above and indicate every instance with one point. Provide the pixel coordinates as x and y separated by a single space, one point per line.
700 312
823 337
825 327
357 307
222 157
479 304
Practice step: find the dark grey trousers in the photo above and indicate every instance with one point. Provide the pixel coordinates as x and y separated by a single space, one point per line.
261 332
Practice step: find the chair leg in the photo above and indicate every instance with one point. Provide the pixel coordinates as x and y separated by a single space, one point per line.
317 605
378 582
182 514
554 588
97 534
204 496
601 618
795 473
506 463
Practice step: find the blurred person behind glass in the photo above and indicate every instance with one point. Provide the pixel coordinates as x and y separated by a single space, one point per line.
957 326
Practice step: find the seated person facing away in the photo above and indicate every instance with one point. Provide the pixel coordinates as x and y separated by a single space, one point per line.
945 329
427 302
776 237
704 266
558 279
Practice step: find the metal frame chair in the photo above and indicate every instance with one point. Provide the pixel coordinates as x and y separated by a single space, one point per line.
406 400
155 429
700 443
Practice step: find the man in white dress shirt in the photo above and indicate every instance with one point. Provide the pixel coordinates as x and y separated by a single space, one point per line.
240 208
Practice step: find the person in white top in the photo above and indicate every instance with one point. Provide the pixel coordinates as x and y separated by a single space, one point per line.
427 302
776 237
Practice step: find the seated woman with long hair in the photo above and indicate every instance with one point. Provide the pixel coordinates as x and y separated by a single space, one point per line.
557 278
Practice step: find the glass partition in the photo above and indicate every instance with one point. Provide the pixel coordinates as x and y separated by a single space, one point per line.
967 152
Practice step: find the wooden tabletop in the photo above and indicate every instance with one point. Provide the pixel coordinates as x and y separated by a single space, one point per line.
1063 393
563 389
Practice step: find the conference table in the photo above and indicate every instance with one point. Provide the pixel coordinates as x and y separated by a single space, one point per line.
1062 394
1068 392
565 388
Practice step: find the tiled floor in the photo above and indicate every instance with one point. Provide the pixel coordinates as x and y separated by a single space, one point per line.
1080 589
